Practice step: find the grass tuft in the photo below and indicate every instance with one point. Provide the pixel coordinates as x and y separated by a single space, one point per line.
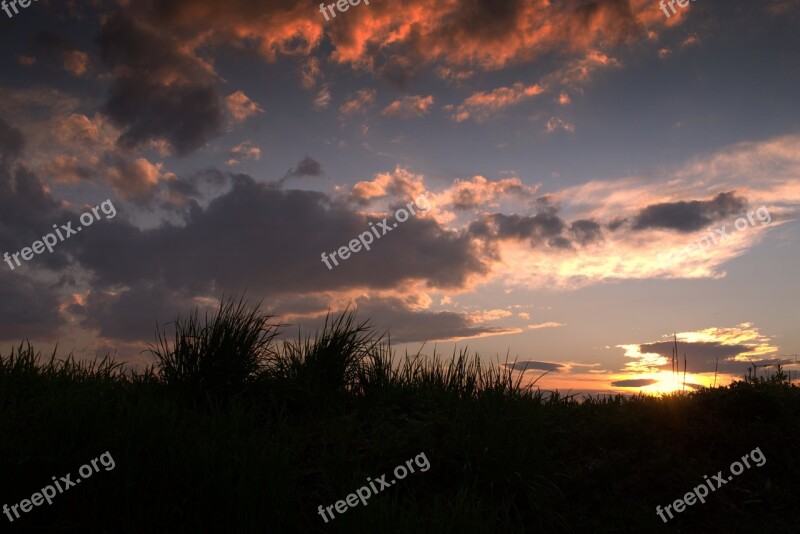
220 355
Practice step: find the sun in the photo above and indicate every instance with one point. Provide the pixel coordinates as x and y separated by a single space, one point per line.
668 382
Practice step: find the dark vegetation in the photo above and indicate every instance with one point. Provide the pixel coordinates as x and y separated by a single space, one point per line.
234 430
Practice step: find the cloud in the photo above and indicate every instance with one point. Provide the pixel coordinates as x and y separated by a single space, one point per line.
359 104
265 220
136 180
132 314
580 71
549 324
400 183
486 35
54 44
160 91
408 107
397 40
689 216
634 383
480 106
724 350
266 28
243 151
27 209
453 75
241 107
67 170
12 143
544 227
28 309
184 191
323 98
533 365
557 123
407 325
310 73
76 62
478 191
586 232
307 166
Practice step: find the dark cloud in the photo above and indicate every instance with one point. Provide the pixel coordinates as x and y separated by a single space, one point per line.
559 242
543 225
528 365
400 69
204 184
282 234
689 216
27 210
404 325
701 357
480 228
585 232
298 304
636 383
27 309
160 91
132 315
616 223
464 199
546 227
11 143
486 20
307 166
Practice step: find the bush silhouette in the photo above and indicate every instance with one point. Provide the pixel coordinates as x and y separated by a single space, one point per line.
221 355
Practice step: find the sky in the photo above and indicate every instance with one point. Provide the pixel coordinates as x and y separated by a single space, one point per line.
567 185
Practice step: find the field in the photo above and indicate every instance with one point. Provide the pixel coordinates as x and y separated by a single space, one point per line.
236 430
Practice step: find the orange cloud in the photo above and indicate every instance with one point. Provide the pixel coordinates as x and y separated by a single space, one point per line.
244 150
363 100
408 107
557 123
481 105
399 183
480 192
136 180
76 62
241 107
416 32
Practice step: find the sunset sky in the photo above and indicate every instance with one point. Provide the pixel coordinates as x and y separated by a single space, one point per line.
562 145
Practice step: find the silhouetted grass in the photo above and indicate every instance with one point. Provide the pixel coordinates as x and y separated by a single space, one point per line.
219 356
306 421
